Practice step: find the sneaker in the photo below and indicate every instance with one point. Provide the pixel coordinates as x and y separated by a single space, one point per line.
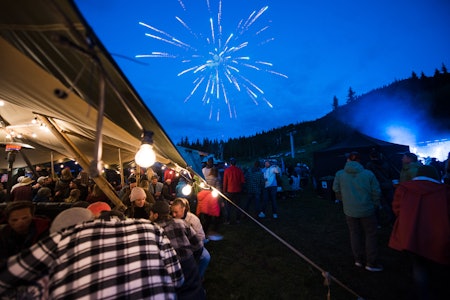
275 216
374 268
358 264
261 215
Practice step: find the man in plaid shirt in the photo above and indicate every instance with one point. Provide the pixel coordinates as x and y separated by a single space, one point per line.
100 259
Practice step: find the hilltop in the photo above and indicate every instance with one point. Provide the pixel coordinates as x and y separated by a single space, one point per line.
411 107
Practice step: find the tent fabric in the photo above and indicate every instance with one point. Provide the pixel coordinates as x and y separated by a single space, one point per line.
48 49
330 160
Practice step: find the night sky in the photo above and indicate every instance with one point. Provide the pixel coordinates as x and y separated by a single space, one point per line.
322 48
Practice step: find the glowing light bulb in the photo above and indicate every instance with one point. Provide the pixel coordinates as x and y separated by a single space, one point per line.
145 157
186 190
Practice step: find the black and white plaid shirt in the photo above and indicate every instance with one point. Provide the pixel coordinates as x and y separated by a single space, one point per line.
131 259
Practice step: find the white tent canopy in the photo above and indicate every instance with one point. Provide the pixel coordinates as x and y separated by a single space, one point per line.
48 48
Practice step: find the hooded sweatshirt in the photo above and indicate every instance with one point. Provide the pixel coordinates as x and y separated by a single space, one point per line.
359 189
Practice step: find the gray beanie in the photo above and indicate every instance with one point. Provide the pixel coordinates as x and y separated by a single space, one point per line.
69 217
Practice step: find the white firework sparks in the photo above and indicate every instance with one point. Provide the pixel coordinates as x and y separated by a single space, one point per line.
221 68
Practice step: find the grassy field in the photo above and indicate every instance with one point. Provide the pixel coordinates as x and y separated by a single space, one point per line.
250 263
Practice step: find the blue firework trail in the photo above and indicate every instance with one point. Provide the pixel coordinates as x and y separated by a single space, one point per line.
216 61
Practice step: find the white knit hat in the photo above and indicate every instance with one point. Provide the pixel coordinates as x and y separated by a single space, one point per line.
69 217
137 193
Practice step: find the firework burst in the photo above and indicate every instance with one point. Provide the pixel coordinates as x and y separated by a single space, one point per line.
218 63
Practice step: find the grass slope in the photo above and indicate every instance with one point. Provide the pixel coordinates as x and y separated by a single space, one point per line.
250 263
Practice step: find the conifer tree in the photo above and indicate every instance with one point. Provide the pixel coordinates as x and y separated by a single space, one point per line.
444 69
351 95
436 73
335 103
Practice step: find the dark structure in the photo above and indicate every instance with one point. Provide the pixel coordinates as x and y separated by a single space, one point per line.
328 161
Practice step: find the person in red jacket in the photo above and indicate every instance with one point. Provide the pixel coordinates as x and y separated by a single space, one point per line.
208 211
22 230
422 229
233 181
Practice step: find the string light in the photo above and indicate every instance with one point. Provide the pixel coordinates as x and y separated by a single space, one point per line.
187 189
146 156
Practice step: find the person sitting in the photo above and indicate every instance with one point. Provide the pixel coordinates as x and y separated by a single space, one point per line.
167 193
22 230
186 244
97 259
44 194
74 196
181 209
139 207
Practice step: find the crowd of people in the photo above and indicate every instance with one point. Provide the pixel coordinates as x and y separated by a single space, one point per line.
157 247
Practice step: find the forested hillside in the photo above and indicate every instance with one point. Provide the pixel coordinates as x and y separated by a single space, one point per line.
420 104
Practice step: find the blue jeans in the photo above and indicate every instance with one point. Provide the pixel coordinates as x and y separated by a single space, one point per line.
256 197
363 238
203 262
233 214
270 193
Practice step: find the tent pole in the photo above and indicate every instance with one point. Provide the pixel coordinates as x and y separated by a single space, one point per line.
11 159
25 158
96 164
70 147
52 164
122 179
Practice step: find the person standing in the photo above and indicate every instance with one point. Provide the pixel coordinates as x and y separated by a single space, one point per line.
211 173
254 180
208 211
270 173
360 192
156 188
23 190
446 176
383 172
422 230
233 181
410 165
